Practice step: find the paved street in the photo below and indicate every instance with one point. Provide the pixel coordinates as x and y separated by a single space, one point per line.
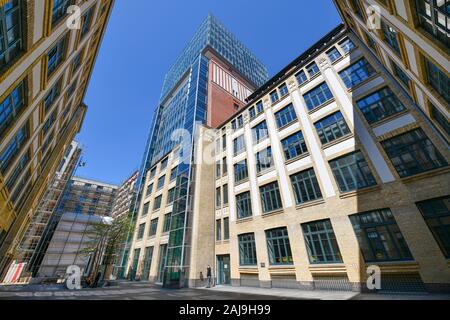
145 291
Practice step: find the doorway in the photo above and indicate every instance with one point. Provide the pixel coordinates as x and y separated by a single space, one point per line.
223 270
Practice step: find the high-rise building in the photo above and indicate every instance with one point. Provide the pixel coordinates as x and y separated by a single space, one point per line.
45 67
125 197
83 202
412 40
208 83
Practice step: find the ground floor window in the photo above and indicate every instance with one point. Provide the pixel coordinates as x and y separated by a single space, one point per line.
247 249
321 242
278 246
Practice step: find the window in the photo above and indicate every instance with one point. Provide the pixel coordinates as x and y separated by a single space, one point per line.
390 36
247 249
352 172
412 153
400 74
240 171
153 227
157 203
76 62
167 220
436 213
225 194
301 77
252 113
23 162
224 142
224 166
434 18
173 173
438 80
218 197
379 105
233 125
294 146
149 189
218 169
152 173
243 205
141 230
60 10
379 236
260 132
321 242
240 122
334 54
347 45
264 160
274 96
56 55
52 95
148 256
72 88
356 73
11 107
226 229
285 116
86 21
11 43
318 96
357 8
164 163
331 128
161 182
278 246
370 42
171 196
145 209
259 107
440 118
239 145
312 69
283 89
270 197
13 148
218 230
305 185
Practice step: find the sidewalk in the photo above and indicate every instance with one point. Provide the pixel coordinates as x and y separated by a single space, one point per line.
327 295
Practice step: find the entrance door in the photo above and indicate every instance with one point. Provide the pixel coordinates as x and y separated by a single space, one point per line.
223 270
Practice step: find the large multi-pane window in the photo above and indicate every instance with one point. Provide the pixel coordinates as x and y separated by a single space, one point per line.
331 128
247 249
321 242
76 63
11 107
301 77
412 153
20 167
167 220
160 184
8 155
379 105
294 146
333 54
56 55
141 230
285 116
240 171
239 145
278 246
379 236
52 95
171 196
318 96
434 18
347 45
157 203
146 209
256 110
283 89
86 21
390 36
173 173
11 42
153 227
148 257
164 164
243 205
270 197
436 213
352 172
440 118
274 96
312 69
149 189
438 79
60 10
264 160
356 73
260 132
306 187
400 74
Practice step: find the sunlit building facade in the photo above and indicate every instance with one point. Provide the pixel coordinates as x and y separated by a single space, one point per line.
44 72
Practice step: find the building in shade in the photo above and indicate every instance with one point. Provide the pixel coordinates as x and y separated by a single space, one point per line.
412 44
83 202
208 83
44 72
125 196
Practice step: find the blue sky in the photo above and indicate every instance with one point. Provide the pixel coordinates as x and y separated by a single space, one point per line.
144 38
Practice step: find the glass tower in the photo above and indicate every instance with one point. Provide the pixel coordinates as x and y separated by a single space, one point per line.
183 104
